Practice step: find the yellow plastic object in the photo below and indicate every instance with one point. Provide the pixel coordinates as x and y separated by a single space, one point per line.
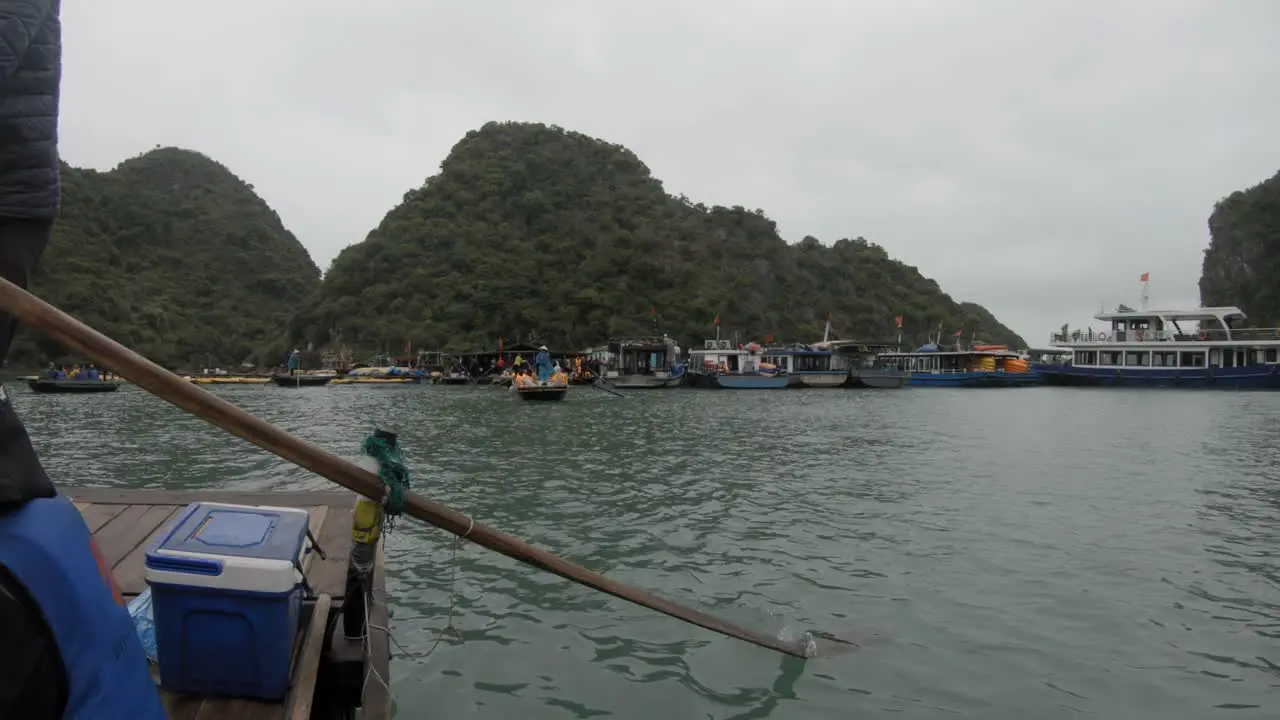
366 523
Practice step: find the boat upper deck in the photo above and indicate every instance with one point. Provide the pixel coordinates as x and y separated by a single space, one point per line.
125 522
953 353
1209 325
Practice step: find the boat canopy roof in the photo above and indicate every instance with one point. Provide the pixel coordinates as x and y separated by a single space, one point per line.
1221 314
646 344
838 345
797 349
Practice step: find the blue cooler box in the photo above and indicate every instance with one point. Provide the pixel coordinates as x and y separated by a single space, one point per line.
226 595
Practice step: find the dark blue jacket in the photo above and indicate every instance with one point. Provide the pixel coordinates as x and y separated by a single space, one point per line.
30 75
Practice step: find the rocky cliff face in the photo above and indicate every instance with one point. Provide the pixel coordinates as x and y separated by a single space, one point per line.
1242 263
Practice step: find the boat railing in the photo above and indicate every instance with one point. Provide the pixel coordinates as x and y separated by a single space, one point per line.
945 371
1148 336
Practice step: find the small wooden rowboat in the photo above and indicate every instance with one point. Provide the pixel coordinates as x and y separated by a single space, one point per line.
45 385
301 380
544 393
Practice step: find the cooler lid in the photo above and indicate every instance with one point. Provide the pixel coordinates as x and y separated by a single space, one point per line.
268 533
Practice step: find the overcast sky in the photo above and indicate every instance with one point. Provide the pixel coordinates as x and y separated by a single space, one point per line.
1035 157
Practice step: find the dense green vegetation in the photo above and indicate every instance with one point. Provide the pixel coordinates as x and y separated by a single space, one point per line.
1242 263
173 255
539 234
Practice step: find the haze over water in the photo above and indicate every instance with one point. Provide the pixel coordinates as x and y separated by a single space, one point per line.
1023 553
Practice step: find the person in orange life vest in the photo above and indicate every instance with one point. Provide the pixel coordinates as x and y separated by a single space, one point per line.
70 649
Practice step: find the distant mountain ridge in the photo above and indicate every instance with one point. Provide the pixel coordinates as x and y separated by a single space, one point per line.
537 233
529 232
173 255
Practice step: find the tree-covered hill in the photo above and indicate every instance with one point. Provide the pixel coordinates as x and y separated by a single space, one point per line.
175 256
537 233
1242 262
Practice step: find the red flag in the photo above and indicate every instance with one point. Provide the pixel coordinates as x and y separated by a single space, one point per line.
768 338
897 320
957 333
717 320
1146 277
499 343
653 311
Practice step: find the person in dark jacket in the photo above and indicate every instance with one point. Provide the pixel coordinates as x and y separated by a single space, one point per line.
35 682
32 681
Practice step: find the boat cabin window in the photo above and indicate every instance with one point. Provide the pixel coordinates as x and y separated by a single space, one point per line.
1191 359
1137 359
810 362
713 362
1087 357
1270 355
1109 357
640 359
1164 359
1122 328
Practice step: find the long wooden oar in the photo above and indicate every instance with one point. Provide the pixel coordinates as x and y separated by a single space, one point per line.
73 334
599 385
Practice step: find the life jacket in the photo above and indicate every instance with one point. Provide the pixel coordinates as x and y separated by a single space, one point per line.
47 547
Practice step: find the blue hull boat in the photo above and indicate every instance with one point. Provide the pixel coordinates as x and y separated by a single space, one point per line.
973 379
752 382
716 381
1255 377
1207 347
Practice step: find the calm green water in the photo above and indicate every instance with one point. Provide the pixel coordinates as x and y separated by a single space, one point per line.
1024 553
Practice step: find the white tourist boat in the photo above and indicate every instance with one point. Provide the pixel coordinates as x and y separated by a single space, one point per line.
1200 347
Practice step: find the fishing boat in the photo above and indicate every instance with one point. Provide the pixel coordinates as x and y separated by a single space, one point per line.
364 380
720 365
301 380
858 360
47 385
807 366
976 366
229 379
647 363
878 378
1201 347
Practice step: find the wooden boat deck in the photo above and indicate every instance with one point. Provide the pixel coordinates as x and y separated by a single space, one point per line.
125 522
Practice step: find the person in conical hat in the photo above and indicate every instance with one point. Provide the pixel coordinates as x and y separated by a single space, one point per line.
543 363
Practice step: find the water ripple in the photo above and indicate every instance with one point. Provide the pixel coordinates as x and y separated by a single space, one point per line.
1034 553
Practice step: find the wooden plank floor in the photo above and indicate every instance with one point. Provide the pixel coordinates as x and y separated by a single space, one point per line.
126 522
